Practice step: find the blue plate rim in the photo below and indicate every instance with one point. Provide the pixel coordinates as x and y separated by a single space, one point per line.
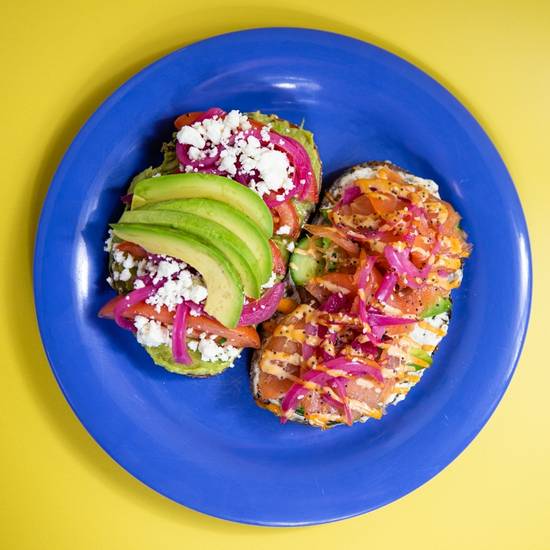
114 96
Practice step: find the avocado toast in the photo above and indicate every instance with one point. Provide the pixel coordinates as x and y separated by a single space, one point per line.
198 255
374 280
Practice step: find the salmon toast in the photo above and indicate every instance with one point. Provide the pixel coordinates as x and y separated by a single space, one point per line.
372 284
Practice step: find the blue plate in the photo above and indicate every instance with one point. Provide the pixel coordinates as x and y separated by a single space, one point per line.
204 443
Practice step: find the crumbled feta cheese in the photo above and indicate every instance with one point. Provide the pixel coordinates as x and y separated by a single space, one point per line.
189 135
151 333
271 280
211 351
291 246
283 230
238 153
125 275
264 132
272 167
109 242
138 283
194 153
213 130
129 262
175 291
166 268
228 162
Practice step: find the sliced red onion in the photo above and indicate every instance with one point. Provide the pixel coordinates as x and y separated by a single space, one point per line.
325 355
417 211
335 303
208 162
130 299
272 201
259 310
307 351
310 329
354 368
127 199
387 321
399 260
350 194
210 113
179 340
297 390
367 348
332 402
339 385
386 287
362 279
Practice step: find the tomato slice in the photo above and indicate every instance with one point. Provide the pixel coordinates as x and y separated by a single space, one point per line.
241 337
146 310
312 191
187 119
285 214
279 266
132 248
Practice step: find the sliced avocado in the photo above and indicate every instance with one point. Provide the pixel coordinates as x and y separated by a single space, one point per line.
225 292
206 186
255 248
441 306
162 356
210 232
303 266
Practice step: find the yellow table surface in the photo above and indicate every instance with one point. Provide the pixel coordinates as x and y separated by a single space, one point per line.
59 60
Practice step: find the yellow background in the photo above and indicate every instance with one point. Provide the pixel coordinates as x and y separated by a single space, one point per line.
59 59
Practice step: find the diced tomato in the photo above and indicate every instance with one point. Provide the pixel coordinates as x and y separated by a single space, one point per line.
132 248
279 266
285 214
187 119
256 123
